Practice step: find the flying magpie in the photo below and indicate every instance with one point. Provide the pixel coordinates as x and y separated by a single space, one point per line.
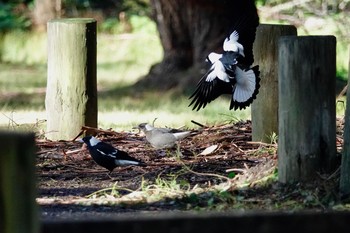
230 73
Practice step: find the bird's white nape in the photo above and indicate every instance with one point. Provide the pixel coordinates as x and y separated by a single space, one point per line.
148 127
245 85
94 141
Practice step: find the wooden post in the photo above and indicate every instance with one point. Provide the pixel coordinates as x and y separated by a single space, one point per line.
265 107
71 95
307 127
345 163
18 210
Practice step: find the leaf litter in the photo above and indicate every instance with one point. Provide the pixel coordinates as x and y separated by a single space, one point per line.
217 168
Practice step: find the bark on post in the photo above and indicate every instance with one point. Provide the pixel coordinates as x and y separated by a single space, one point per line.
265 107
306 144
71 95
18 210
345 163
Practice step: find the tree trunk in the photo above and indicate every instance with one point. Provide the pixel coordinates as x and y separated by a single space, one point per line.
45 10
189 30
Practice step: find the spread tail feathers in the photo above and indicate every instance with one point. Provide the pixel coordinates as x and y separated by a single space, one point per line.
246 88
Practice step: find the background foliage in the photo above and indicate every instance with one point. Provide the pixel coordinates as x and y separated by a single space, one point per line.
128 45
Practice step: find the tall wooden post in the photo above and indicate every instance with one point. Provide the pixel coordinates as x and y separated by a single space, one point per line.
265 107
71 95
345 163
306 143
18 210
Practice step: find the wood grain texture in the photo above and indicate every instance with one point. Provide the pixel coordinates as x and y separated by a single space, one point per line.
345 163
71 95
18 209
265 108
306 144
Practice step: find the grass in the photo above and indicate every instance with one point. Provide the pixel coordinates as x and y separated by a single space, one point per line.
178 189
122 59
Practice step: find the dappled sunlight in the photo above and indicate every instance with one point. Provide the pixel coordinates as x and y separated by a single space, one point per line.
23 120
126 119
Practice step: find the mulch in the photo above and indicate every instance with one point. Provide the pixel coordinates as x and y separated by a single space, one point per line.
66 171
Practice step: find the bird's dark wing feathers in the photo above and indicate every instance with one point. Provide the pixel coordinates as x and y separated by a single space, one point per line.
122 155
107 149
245 24
208 91
245 21
110 151
238 105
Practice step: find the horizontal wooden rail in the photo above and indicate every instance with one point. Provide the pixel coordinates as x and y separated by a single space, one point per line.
309 222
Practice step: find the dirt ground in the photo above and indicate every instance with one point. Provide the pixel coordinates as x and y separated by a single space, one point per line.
67 175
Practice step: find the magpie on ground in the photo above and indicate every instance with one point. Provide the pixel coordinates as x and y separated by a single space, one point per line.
230 73
162 138
107 156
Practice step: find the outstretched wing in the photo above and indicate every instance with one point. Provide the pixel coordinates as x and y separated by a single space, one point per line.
208 91
231 44
246 87
246 26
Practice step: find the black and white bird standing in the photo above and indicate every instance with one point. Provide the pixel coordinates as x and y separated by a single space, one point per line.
162 138
230 73
107 156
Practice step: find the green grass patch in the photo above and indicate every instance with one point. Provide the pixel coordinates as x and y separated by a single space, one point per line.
122 59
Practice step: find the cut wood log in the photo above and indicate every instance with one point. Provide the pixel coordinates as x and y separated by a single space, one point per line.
71 95
18 209
307 118
265 107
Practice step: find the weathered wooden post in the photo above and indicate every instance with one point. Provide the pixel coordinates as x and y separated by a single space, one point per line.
265 107
345 163
307 127
18 210
71 95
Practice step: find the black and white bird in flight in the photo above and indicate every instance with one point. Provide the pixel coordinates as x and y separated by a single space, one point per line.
107 156
230 73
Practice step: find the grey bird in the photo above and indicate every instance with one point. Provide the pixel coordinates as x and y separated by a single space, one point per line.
162 138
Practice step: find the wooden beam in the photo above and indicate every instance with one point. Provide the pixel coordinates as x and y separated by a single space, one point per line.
265 107
307 118
71 95
257 222
18 209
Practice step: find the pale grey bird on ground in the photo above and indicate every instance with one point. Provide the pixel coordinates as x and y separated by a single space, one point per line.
162 138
